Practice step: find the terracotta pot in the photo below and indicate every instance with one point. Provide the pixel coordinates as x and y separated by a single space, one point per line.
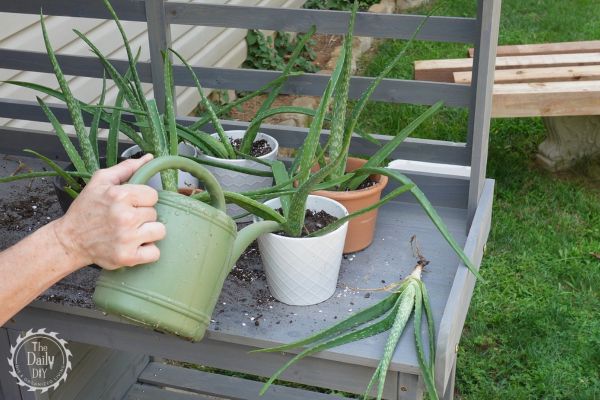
362 228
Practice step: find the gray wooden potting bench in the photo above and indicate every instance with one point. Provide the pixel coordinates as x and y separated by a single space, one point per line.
117 359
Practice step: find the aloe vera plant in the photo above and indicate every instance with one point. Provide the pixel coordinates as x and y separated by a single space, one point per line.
408 298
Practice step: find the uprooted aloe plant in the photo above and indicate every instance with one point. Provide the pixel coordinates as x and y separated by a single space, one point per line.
408 297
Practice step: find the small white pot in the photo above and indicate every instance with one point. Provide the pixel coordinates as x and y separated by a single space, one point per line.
233 181
304 271
184 179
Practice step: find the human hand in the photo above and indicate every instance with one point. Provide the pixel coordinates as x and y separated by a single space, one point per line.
112 224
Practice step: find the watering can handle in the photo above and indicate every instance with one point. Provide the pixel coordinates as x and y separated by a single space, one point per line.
141 176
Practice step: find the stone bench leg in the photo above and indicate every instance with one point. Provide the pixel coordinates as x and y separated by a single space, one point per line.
569 140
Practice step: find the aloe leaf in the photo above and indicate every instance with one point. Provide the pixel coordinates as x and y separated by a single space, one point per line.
73 194
430 324
61 172
254 207
228 107
87 151
280 175
204 141
120 81
259 118
132 60
125 128
368 331
64 139
364 98
423 363
377 159
340 101
112 143
359 318
169 106
252 130
209 108
404 310
262 161
231 167
429 210
41 174
341 221
96 119
168 177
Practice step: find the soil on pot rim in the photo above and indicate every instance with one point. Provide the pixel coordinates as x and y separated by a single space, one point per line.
313 221
259 147
137 155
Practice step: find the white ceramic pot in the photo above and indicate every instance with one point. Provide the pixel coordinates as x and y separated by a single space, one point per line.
304 271
184 179
233 181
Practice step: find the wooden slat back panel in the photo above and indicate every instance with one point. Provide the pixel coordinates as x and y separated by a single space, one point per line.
549 74
585 46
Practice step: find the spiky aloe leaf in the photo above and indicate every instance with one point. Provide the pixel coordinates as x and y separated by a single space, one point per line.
124 127
340 101
364 98
359 334
228 107
231 167
87 150
280 175
209 145
261 116
112 143
252 206
429 210
96 119
403 313
64 139
426 366
42 174
61 172
357 319
209 108
252 131
378 159
341 221
169 106
168 177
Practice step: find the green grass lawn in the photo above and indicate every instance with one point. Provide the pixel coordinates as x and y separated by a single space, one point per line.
533 329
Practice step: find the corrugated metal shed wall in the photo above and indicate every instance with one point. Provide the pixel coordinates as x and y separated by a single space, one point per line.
201 46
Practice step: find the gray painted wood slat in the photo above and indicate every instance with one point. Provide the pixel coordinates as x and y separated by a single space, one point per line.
488 16
442 29
9 390
220 385
126 10
459 299
149 392
159 40
390 90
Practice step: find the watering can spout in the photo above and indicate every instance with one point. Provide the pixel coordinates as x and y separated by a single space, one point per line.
247 235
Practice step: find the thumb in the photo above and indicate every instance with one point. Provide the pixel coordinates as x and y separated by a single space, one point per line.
121 172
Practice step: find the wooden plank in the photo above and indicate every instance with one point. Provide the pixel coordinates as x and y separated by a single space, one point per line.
549 99
221 385
390 90
549 74
126 10
455 312
442 70
586 46
480 110
444 29
149 392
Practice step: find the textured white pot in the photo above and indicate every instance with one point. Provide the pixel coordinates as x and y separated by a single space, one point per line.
304 271
185 179
233 181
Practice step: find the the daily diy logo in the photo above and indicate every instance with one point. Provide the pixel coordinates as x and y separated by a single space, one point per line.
40 360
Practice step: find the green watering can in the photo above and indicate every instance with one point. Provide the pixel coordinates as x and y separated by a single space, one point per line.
178 293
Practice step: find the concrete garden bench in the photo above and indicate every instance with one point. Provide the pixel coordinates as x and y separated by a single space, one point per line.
116 359
559 82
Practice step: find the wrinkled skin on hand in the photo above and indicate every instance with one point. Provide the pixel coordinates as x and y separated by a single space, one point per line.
112 224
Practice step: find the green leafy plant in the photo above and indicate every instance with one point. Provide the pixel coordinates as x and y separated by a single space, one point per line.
267 53
408 298
341 5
